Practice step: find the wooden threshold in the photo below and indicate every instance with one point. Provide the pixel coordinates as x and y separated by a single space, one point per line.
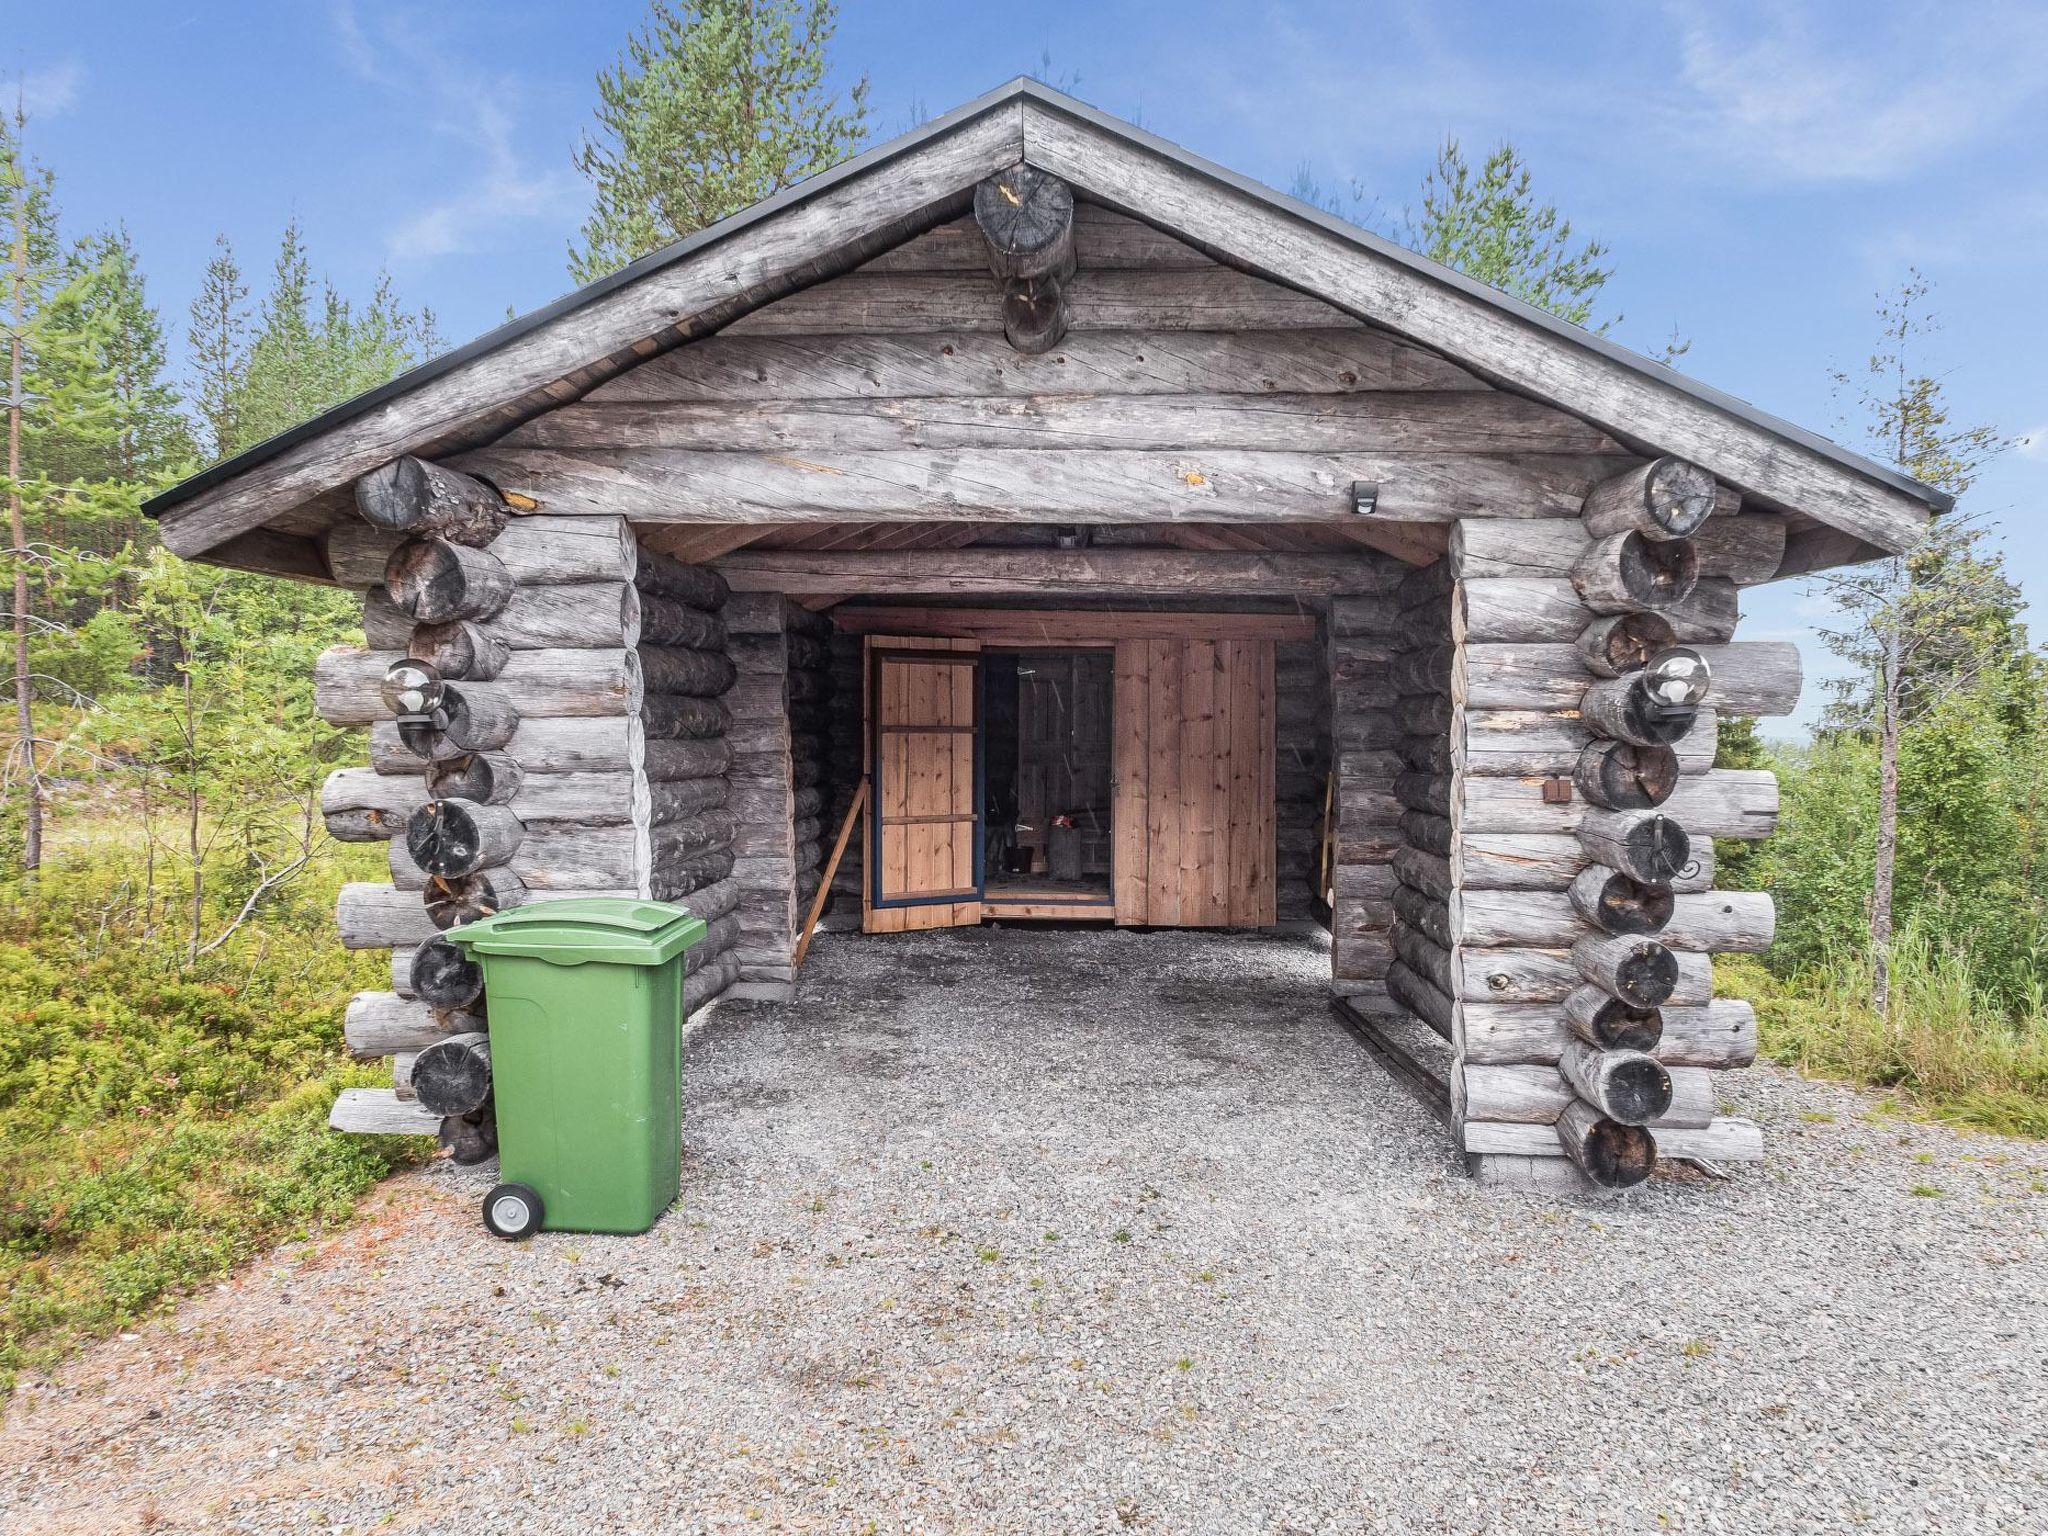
1050 911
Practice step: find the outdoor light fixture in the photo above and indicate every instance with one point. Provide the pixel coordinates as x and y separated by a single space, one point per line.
413 691
1675 682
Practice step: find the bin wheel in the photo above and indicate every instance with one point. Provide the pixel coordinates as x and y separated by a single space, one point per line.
513 1211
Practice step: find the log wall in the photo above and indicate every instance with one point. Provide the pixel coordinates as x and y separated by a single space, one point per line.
1543 944
1362 640
584 755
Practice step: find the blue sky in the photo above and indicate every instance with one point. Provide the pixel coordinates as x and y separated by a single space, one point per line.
1759 170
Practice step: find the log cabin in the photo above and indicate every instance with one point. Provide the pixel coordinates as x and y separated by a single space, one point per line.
1027 520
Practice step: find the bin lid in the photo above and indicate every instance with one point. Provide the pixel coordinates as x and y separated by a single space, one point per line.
612 930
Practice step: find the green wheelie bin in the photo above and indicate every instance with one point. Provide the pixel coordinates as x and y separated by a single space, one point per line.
585 1000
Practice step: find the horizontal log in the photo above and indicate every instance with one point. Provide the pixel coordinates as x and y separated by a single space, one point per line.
1652 847
1055 572
1549 861
467 898
703 987
1335 359
380 1023
1503 743
1627 1087
1666 498
483 778
1033 627
432 581
713 901
1537 1095
1420 997
1547 608
374 916
466 650
439 973
1729 547
1622 776
380 1112
678 717
1612 1155
413 496
1724 1139
1725 802
1626 571
1746 549
348 684
678 669
664 576
1431 422
1617 903
1642 972
532 549
376 805
451 838
679 879
453 1076
1030 485
666 621
1749 677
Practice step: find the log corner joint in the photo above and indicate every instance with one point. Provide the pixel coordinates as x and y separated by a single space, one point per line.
1026 218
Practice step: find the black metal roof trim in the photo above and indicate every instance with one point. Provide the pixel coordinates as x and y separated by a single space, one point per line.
1024 88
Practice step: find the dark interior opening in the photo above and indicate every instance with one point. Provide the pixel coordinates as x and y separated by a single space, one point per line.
1047 761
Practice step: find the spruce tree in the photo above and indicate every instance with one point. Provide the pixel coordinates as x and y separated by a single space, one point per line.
217 342
715 105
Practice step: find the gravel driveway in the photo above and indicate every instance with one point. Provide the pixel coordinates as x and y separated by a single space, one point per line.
1006 1230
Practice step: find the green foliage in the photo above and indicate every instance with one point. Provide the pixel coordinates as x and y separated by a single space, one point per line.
1487 223
160 1120
1949 1051
714 106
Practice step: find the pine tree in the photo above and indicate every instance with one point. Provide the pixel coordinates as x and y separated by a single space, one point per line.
1924 626
64 424
1488 224
217 342
715 105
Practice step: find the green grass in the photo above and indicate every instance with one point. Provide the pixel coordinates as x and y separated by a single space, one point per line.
1947 1054
159 1122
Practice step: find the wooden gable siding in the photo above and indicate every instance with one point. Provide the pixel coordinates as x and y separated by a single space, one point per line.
1185 393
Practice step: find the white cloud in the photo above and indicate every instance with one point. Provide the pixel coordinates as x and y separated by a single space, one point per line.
2034 444
51 92
466 105
1877 96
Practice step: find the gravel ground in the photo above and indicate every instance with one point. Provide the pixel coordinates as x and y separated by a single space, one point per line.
1097 1231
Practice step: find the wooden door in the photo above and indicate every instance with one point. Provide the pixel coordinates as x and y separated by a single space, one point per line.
1195 753
924 817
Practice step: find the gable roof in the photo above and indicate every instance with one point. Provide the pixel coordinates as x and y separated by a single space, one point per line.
241 511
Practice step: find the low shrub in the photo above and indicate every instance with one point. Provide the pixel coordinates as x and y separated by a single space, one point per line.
162 1119
1949 1051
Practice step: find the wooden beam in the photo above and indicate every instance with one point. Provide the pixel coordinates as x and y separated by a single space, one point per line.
1052 572
1059 626
1436 421
758 260
695 543
1623 396
1339 359
1027 485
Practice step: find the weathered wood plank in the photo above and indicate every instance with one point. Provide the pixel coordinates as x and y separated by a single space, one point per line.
1031 485
869 303
1450 421
1724 802
1104 572
726 367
